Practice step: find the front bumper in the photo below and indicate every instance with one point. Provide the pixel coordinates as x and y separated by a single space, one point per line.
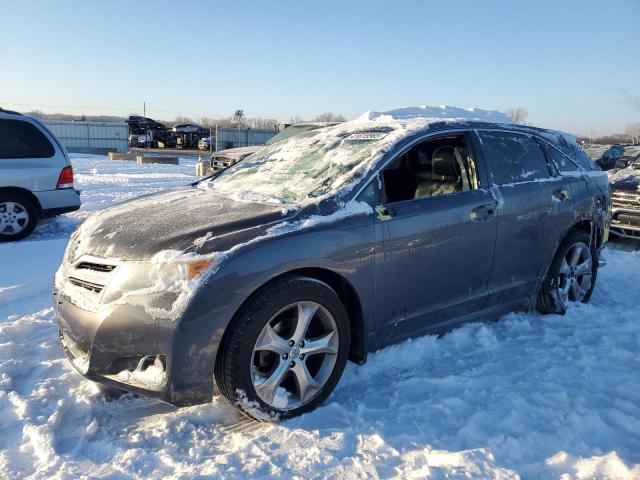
625 222
105 347
102 345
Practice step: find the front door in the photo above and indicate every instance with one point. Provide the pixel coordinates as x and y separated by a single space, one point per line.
439 236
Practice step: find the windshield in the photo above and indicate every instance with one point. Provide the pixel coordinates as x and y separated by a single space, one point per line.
301 168
290 132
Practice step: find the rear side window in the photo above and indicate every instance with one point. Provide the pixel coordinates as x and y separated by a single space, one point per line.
561 160
513 157
20 139
582 158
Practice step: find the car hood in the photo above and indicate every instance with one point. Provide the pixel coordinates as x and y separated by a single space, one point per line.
187 219
627 179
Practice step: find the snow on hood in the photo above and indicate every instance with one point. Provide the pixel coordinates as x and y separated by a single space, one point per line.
627 179
443 112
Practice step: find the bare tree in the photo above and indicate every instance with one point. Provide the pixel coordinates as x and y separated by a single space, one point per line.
261 123
296 119
517 114
633 131
329 117
180 120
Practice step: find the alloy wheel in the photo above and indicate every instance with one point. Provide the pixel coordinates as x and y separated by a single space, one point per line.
576 273
294 355
14 218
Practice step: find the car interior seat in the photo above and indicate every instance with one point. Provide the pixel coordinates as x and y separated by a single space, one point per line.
445 175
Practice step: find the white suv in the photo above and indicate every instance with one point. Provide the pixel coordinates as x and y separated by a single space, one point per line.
36 178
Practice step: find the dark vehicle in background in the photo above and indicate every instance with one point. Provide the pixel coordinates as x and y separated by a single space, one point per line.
323 247
223 159
608 159
625 198
145 132
187 135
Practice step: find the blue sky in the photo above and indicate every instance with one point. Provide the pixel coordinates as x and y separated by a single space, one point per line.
575 65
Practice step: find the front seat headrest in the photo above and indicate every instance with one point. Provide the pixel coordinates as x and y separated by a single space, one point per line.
443 164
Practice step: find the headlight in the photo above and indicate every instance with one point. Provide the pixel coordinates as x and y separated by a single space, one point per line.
158 285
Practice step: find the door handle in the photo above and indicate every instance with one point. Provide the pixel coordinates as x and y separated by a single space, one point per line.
561 195
483 213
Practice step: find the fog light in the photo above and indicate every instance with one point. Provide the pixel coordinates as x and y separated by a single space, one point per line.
150 372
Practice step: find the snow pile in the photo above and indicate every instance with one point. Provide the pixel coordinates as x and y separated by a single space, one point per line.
349 209
441 113
152 377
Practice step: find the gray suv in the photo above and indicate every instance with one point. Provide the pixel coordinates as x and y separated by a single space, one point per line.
36 177
265 279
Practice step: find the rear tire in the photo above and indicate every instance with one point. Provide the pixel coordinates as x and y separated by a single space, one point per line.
571 276
285 350
18 217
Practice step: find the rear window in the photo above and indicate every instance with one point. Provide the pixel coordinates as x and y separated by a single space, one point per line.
513 157
20 139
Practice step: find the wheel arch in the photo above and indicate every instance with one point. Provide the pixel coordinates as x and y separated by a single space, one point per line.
345 291
27 193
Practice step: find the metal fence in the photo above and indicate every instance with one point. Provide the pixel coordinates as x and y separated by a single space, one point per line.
91 137
233 138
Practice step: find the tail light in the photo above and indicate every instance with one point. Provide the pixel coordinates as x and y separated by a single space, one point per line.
66 178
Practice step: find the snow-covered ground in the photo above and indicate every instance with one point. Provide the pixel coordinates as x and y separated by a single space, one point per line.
527 396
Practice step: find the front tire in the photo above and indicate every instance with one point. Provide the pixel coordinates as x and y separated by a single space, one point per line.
18 217
286 349
571 276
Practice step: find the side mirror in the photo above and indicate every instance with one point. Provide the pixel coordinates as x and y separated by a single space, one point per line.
621 163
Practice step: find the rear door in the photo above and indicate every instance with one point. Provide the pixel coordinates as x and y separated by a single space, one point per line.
535 205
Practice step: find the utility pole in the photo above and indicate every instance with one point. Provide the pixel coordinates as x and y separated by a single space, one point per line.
146 123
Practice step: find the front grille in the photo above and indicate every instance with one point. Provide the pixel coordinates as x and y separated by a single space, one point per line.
625 200
93 287
627 219
91 274
98 267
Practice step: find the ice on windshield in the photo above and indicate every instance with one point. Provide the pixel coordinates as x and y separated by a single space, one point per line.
304 167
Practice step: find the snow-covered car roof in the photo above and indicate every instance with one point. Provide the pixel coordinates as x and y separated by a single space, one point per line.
442 112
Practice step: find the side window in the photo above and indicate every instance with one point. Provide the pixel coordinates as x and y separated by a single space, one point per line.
513 157
562 161
440 166
371 193
20 139
582 158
